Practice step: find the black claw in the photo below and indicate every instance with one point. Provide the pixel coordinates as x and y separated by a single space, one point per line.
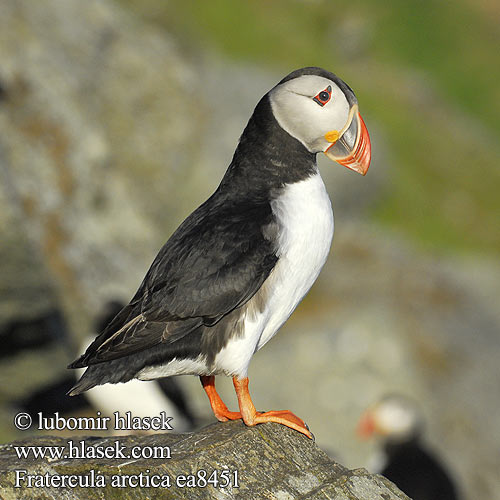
307 427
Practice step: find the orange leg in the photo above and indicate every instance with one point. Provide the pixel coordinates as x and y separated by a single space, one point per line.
252 417
219 408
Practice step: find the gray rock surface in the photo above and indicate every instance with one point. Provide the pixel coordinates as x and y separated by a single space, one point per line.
96 114
110 134
271 461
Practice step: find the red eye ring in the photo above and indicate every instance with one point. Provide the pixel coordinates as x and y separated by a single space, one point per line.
324 96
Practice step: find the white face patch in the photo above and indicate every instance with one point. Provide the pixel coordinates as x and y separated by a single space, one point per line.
396 418
302 117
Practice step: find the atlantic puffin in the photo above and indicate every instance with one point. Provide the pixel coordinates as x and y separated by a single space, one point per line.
236 268
405 459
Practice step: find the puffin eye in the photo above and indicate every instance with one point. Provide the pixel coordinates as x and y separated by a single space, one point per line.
324 96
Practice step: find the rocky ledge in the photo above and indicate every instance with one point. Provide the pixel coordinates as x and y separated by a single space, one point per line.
222 461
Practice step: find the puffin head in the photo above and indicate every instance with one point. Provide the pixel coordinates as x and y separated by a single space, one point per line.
320 110
394 418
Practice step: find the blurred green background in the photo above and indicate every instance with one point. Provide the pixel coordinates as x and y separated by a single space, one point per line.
426 71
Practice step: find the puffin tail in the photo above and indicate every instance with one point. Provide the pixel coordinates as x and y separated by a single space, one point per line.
84 384
109 372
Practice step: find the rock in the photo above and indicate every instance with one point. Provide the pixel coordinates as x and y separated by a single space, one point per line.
92 103
101 121
267 461
26 288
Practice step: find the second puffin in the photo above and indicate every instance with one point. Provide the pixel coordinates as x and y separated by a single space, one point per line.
237 267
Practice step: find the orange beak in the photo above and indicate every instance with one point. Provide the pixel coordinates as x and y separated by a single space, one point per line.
353 148
366 426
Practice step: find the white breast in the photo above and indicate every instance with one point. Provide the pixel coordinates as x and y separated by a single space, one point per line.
304 214
305 218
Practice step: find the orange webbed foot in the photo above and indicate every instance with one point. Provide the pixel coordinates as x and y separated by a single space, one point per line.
252 417
284 417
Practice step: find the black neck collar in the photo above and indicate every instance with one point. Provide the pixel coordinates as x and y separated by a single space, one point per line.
267 157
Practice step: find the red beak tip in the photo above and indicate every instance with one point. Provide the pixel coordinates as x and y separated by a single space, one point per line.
366 427
360 156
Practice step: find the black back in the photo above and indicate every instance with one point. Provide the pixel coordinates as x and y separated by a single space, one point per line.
418 473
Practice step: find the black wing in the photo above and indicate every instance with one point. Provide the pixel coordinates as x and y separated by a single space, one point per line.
214 263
